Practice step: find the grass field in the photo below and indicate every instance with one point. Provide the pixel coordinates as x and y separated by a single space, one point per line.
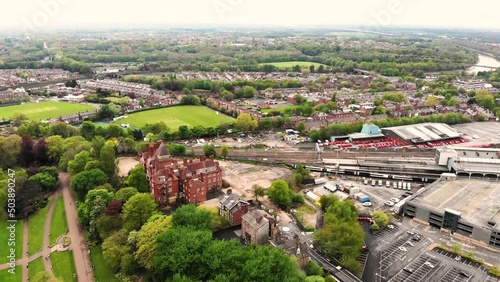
280 109
58 226
5 276
44 110
4 235
177 116
35 267
35 224
293 63
102 271
64 266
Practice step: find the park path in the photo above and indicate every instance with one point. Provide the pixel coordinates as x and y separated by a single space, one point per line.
46 234
78 246
25 253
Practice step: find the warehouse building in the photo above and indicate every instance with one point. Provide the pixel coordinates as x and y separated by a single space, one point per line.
467 207
422 133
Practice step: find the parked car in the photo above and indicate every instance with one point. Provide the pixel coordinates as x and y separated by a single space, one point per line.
367 204
389 204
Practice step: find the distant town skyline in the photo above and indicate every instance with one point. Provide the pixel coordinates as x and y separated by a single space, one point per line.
34 15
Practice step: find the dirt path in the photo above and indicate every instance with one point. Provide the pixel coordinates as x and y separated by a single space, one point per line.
25 247
46 233
78 246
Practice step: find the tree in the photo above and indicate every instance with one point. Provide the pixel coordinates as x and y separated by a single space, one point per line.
177 149
19 118
209 150
192 217
137 210
311 68
258 191
147 240
10 148
312 268
41 151
107 159
108 111
114 248
87 130
381 218
457 248
78 164
125 193
86 181
301 127
46 181
224 151
107 225
95 203
190 100
27 150
138 179
55 148
179 249
245 122
432 101
44 276
280 193
315 278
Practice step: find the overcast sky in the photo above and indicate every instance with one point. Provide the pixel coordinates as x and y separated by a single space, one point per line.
23 14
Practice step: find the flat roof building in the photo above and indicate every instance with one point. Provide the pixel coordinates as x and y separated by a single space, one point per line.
423 132
468 207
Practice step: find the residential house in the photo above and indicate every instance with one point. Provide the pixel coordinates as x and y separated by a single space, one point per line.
257 227
232 208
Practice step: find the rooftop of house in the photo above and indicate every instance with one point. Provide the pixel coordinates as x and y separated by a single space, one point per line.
256 218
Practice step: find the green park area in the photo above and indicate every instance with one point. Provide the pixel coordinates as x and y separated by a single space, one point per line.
35 267
59 225
279 109
36 224
291 64
102 270
177 116
64 266
44 110
6 276
4 236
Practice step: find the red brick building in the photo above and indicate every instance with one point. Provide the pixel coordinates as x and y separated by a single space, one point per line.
170 180
232 208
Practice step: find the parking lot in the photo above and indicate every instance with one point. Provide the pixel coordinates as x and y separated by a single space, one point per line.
418 270
397 250
387 231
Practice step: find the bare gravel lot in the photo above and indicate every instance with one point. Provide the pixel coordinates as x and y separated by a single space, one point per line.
125 164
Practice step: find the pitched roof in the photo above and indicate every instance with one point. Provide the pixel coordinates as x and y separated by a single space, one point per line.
256 218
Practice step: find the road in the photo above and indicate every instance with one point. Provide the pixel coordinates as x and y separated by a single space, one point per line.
78 246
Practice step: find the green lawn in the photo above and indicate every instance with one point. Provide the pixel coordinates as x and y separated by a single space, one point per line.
36 266
35 224
102 271
44 110
177 116
292 64
4 235
280 109
63 266
59 225
6 276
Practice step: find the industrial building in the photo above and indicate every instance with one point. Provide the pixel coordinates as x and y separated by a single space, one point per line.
467 207
483 162
422 133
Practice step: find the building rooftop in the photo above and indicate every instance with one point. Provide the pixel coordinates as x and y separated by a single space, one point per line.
477 201
424 132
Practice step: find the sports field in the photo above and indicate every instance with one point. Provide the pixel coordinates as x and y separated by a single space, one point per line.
176 116
293 63
44 110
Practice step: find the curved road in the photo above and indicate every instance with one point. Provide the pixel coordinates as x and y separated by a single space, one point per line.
78 246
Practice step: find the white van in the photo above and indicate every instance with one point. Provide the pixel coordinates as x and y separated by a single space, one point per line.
380 183
400 185
387 184
409 186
